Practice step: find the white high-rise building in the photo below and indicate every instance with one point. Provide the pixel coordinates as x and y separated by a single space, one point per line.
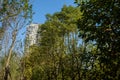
31 35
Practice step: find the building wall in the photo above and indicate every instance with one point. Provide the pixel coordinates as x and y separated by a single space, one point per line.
31 35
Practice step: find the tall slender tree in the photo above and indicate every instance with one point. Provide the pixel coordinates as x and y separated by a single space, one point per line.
14 15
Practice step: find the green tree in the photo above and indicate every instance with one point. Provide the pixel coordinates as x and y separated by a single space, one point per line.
14 66
100 24
19 6
12 8
1 32
14 16
50 59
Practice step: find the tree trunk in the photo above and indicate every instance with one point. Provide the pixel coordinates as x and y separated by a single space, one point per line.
7 67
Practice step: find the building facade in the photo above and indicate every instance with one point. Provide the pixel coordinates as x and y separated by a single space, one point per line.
31 36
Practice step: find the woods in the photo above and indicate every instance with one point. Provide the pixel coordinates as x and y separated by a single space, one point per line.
77 43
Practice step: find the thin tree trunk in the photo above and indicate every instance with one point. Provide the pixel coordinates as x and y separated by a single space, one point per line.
7 67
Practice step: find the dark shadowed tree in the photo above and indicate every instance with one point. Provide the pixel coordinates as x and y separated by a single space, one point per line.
100 24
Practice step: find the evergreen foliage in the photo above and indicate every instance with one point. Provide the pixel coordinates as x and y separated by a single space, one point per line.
77 43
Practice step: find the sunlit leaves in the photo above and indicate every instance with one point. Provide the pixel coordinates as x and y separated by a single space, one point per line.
11 8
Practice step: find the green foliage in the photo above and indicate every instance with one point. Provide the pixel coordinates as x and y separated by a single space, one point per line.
100 25
14 15
14 69
50 59
1 32
11 8
59 54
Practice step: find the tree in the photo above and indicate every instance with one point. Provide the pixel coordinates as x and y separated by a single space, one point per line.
14 66
11 8
20 6
100 25
50 59
14 19
1 32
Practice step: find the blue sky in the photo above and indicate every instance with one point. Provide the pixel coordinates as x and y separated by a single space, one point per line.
43 7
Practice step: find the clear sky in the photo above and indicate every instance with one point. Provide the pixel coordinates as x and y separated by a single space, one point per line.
43 7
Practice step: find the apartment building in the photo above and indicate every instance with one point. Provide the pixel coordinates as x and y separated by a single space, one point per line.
31 35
